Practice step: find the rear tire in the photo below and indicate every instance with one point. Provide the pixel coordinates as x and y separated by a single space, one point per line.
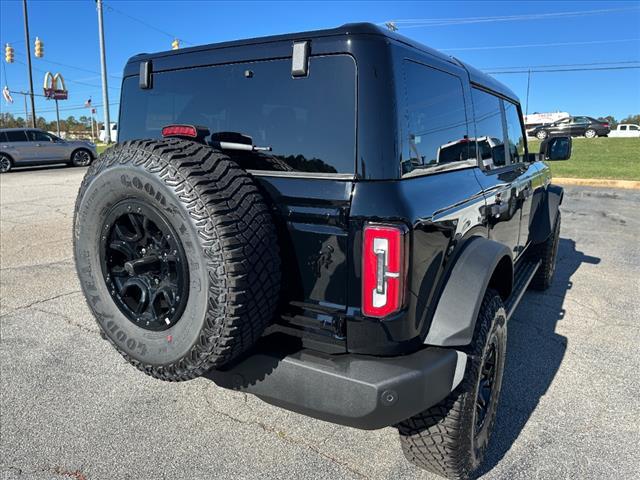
450 438
177 256
590 133
546 253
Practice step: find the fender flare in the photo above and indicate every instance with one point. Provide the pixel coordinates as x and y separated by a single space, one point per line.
457 310
544 218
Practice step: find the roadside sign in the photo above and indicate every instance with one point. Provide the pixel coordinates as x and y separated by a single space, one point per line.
54 90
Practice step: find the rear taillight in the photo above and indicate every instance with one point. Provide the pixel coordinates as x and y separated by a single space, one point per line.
383 270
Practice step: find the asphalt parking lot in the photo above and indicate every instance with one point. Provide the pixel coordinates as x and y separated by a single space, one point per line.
71 407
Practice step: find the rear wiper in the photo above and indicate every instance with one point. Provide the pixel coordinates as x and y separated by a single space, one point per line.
235 141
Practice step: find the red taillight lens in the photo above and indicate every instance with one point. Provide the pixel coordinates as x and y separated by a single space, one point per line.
180 131
383 270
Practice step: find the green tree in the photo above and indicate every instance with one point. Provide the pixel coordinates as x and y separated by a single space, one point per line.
632 119
613 123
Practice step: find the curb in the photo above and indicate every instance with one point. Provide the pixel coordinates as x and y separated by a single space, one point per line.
594 182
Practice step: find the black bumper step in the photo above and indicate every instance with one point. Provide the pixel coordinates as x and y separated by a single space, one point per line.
355 390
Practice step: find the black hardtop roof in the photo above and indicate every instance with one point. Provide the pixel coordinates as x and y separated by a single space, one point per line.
475 75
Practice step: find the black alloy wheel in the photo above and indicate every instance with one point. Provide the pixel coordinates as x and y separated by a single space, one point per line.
144 265
485 394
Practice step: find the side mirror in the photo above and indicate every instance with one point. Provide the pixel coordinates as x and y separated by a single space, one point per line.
556 148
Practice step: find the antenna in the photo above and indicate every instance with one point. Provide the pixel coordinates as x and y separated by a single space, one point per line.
391 26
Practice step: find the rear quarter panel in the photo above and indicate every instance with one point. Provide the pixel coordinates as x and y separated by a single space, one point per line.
442 211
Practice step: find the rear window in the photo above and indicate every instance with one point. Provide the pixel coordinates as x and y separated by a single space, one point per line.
309 122
16 136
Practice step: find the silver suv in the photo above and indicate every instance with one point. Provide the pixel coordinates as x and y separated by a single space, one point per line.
30 146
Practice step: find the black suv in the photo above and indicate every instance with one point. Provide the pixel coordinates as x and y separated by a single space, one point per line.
340 222
574 127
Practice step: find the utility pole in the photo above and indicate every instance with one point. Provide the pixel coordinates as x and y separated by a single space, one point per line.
57 117
28 48
103 63
526 111
26 110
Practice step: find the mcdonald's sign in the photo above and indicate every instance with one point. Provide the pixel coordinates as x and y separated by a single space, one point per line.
52 89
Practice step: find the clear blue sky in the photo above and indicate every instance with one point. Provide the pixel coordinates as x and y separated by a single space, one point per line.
69 31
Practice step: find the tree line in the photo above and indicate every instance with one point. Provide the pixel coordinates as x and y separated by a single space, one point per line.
83 123
613 123
69 124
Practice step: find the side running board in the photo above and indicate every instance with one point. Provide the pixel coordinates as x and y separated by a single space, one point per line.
523 276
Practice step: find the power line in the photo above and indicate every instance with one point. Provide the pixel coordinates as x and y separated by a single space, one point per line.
437 22
77 68
562 70
146 24
563 65
82 69
93 85
533 45
63 109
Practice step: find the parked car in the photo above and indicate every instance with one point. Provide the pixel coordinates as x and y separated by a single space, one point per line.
324 232
626 130
572 126
30 146
102 135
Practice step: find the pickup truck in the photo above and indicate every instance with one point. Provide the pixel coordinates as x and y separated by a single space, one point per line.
626 130
340 222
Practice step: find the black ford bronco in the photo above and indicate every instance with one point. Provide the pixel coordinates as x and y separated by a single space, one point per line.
340 222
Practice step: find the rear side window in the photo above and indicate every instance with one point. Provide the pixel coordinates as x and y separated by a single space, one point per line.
514 132
16 136
490 134
3 137
309 122
36 136
436 135
624 127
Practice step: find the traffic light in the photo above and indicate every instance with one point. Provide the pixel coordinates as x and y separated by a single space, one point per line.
8 53
175 45
39 48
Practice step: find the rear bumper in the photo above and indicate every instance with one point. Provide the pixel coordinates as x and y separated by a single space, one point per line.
355 390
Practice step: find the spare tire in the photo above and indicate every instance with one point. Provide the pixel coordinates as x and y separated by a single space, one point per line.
177 255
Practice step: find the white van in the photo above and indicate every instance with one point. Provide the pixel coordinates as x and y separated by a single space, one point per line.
114 133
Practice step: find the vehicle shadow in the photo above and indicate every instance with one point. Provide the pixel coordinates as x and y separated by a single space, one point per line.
534 353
